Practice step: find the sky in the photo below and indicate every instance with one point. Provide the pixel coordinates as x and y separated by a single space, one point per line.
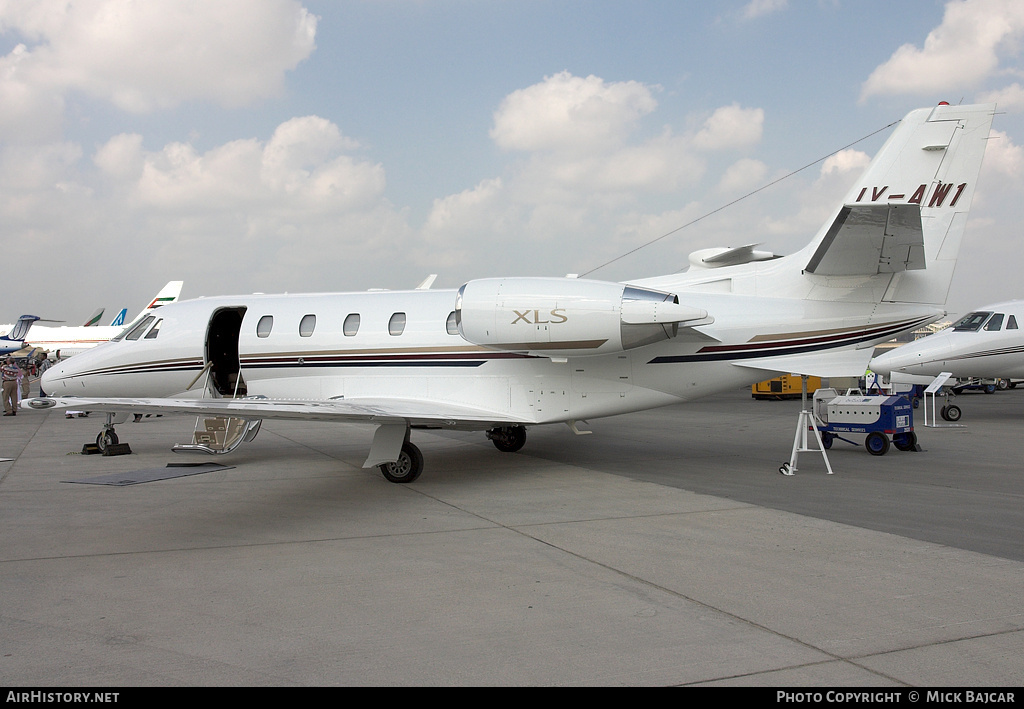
329 145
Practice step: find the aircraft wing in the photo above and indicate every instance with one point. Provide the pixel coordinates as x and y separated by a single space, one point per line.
411 412
841 363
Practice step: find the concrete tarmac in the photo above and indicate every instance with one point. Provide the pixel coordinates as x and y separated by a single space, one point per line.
664 549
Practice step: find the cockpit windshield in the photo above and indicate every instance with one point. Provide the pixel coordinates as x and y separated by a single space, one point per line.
972 322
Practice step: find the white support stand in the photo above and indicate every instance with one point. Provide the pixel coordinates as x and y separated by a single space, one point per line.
933 389
804 421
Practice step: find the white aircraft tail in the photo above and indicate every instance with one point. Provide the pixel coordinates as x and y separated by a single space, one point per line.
904 219
94 319
167 295
20 330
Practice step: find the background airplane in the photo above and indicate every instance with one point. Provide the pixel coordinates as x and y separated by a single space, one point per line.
986 343
501 354
71 340
14 340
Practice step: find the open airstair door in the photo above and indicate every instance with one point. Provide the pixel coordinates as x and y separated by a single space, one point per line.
222 352
216 435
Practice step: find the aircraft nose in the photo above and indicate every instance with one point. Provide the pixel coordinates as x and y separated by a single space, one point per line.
913 358
52 381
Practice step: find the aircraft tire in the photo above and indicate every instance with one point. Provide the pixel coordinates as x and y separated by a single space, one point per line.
951 412
508 439
106 439
408 466
877 443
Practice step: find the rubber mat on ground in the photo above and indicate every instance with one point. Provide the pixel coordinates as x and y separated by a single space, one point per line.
135 477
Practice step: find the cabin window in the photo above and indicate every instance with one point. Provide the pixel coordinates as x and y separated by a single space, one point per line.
1011 323
396 326
452 326
137 331
351 326
995 323
155 330
264 326
972 322
307 325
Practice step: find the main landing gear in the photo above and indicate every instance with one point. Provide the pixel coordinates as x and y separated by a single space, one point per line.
508 439
409 465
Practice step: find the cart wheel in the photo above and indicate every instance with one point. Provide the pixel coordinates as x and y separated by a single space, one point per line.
826 439
905 441
785 470
877 443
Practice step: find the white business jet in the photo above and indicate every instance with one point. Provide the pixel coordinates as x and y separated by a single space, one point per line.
987 344
72 340
502 354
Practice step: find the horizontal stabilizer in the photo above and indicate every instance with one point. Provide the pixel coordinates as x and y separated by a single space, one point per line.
871 239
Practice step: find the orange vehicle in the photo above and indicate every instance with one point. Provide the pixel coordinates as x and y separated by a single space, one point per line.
785 387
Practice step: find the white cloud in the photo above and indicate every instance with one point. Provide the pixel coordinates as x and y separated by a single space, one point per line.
299 170
143 56
247 211
960 53
1009 98
731 127
744 174
846 161
759 8
566 112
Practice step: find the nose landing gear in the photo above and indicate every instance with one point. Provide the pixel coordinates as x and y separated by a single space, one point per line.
106 441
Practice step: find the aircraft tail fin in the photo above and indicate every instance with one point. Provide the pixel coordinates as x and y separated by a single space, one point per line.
905 216
119 320
167 295
94 319
20 330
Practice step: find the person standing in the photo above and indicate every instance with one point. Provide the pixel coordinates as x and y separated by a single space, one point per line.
9 373
26 379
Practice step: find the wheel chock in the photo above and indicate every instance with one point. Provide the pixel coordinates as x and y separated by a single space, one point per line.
91 449
118 449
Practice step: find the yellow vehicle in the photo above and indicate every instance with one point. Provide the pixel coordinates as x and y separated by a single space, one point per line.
787 386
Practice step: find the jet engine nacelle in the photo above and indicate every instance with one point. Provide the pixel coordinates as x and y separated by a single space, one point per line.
562 317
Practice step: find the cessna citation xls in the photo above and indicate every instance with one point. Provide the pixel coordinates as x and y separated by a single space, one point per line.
501 354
